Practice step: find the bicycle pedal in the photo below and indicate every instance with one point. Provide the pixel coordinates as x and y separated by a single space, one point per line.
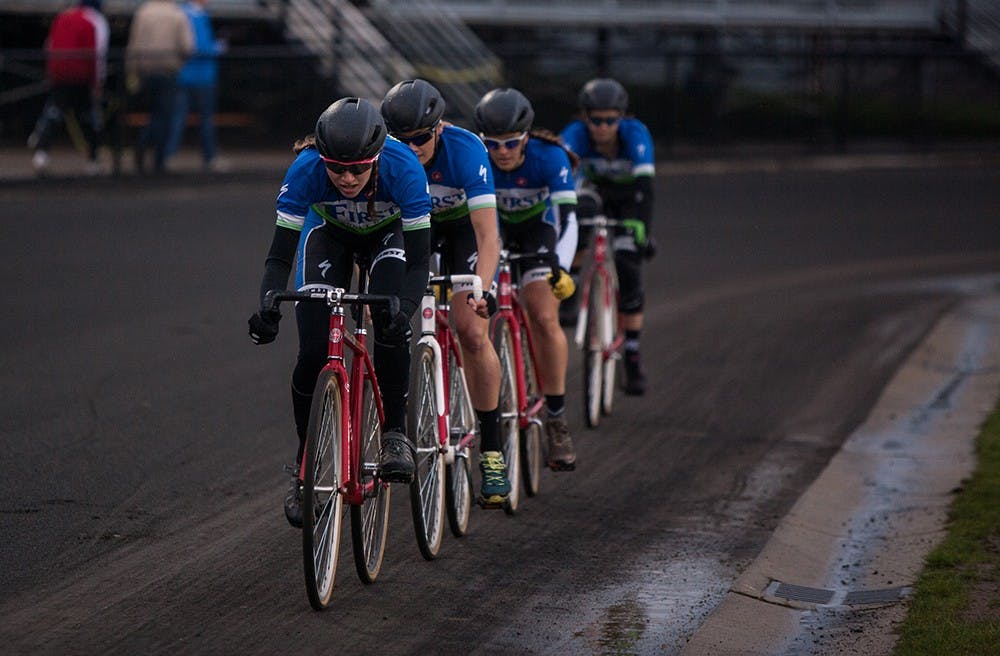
562 466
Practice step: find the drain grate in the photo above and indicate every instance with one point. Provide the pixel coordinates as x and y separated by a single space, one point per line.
798 595
803 593
886 596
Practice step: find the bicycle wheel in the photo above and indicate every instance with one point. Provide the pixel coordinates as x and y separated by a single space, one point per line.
531 434
462 420
370 519
427 488
322 503
509 415
610 359
593 352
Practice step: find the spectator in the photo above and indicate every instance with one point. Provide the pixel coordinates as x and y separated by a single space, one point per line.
160 40
77 47
198 81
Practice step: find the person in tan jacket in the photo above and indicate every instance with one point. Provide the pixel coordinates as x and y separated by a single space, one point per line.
160 41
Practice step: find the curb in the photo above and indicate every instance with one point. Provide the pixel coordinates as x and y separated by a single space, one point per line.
858 537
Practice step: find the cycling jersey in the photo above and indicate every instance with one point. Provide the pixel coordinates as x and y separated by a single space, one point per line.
308 198
634 159
536 188
460 176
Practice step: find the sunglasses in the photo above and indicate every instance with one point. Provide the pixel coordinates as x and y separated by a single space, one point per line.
509 144
418 139
355 168
603 120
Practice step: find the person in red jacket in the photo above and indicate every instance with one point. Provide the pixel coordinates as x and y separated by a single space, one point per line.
77 48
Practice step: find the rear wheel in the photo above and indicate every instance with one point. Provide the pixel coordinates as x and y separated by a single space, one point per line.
509 433
462 420
370 520
427 488
531 434
322 503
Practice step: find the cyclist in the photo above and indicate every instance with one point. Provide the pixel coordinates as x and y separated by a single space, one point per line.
350 191
616 159
536 200
464 232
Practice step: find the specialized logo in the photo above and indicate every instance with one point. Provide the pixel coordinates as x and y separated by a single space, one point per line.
564 174
483 172
428 313
324 266
284 188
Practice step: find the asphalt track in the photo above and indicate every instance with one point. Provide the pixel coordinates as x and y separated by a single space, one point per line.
143 434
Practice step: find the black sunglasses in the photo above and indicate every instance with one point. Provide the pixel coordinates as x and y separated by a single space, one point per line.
603 120
417 139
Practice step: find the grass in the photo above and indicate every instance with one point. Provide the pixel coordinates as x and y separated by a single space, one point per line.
955 607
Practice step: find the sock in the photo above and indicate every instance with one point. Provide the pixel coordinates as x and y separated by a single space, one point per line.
489 427
632 341
556 404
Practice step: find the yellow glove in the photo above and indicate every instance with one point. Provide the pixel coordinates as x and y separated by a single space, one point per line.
563 286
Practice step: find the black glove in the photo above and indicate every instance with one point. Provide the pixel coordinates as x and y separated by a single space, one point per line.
491 302
395 329
649 249
264 326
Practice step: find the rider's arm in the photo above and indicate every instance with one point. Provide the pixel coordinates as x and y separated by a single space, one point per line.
484 224
417 244
644 200
278 264
566 242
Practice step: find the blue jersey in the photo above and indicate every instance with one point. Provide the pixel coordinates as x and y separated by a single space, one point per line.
533 189
460 176
634 158
308 197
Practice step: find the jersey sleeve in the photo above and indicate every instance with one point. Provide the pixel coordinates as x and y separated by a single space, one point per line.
407 185
640 150
477 173
304 184
559 177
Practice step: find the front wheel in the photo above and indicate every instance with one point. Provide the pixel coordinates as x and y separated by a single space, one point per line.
322 502
509 414
427 488
370 519
531 434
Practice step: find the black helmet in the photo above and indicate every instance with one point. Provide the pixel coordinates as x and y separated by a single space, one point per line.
502 111
412 105
350 130
603 93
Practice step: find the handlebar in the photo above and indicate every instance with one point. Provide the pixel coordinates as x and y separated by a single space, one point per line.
462 278
549 257
599 220
332 297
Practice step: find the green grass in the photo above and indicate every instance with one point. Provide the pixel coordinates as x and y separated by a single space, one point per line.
955 608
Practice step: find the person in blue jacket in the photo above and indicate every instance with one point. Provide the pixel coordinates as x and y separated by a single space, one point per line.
198 85
536 201
617 164
464 232
350 190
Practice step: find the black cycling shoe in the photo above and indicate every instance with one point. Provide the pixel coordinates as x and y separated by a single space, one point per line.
293 503
396 458
635 377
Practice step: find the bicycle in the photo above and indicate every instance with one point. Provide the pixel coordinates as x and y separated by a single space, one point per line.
521 398
598 330
340 464
440 420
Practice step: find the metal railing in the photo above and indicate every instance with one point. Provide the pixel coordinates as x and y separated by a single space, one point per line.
976 25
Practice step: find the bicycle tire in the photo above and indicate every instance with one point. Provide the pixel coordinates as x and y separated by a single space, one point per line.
509 412
322 503
427 488
370 519
611 359
458 474
531 463
593 353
